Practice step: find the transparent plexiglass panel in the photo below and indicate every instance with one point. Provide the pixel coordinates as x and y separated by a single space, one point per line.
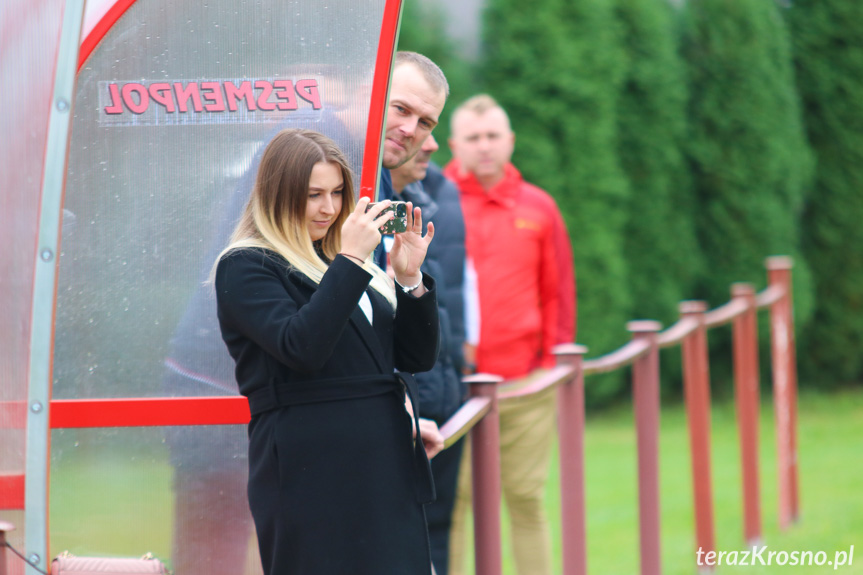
30 32
127 491
172 112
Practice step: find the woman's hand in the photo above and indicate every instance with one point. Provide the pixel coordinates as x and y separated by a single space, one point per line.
361 231
431 436
429 432
409 250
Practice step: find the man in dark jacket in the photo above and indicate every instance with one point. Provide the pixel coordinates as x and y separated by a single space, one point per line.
413 110
440 390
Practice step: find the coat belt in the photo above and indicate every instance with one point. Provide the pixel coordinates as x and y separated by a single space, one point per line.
337 389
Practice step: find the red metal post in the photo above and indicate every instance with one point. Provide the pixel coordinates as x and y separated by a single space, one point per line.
570 429
645 384
485 462
746 384
4 528
784 358
696 386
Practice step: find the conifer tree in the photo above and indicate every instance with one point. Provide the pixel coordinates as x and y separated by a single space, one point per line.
660 244
749 156
829 63
423 30
556 67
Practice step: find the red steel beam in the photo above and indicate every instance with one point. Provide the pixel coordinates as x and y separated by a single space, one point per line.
380 93
148 412
11 491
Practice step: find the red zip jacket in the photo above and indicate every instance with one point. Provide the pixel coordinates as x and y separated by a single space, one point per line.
519 246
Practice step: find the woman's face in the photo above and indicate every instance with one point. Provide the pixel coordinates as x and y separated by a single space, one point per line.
325 199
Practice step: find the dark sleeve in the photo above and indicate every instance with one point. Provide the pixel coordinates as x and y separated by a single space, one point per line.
254 303
456 257
416 329
385 192
448 249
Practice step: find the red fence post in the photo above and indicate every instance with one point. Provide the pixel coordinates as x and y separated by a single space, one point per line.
645 388
570 429
746 391
485 463
784 358
696 386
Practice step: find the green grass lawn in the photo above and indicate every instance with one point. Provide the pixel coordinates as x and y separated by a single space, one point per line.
830 440
121 505
110 493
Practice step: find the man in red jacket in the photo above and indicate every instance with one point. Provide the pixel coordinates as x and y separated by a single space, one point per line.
520 248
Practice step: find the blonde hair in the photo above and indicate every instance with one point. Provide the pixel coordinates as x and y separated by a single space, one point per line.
274 217
477 105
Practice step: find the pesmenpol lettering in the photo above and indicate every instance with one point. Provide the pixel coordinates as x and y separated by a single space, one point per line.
190 102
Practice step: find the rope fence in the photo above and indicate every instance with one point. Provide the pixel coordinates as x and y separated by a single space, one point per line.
480 416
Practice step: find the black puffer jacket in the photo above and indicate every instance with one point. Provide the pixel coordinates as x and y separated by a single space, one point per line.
440 390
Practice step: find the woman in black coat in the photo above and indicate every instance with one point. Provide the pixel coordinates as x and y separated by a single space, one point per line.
337 480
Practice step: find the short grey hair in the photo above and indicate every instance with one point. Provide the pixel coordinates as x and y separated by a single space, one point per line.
430 71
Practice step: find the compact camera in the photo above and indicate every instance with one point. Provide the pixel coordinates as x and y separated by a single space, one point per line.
399 223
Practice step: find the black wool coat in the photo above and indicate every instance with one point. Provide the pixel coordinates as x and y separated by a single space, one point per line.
336 483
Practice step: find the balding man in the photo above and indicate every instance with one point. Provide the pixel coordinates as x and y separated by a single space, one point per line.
520 249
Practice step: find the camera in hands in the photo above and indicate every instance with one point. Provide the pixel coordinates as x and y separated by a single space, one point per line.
399 223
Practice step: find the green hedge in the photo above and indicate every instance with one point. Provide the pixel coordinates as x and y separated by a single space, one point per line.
750 160
542 64
423 30
676 141
660 245
829 60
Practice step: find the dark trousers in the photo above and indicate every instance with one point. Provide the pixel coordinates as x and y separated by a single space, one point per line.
439 514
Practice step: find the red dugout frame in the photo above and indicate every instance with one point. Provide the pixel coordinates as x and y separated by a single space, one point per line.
380 87
176 411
